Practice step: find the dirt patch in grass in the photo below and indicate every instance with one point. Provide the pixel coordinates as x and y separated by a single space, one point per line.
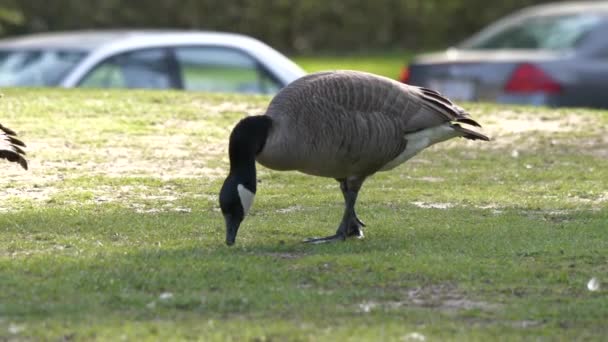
511 122
445 297
239 107
36 194
598 198
141 199
182 147
510 128
426 205
284 255
596 146
290 209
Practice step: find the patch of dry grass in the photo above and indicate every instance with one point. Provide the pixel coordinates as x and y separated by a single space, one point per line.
115 233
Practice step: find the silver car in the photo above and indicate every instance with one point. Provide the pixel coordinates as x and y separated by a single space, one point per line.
554 54
189 60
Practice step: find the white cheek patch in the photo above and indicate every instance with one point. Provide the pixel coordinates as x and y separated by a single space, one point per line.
246 197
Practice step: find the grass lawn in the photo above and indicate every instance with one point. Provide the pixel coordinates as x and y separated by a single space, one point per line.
115 232
387 64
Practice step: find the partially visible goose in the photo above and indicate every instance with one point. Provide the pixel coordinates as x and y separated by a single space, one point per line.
10 147
345 125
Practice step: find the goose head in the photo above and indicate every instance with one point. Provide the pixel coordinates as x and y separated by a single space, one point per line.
236 196
235 201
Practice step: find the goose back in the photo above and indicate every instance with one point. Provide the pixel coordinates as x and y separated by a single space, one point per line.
346 123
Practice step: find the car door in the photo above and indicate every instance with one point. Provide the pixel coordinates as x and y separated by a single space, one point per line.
151 68
587 82
586 71
222 69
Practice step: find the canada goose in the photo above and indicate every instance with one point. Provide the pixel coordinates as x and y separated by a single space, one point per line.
346 125
10 147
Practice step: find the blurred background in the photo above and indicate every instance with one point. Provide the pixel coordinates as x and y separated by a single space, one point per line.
293 27
520 51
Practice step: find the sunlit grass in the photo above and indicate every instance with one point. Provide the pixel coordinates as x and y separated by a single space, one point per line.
388 64
114 233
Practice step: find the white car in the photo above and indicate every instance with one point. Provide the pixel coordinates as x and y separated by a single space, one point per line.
188 60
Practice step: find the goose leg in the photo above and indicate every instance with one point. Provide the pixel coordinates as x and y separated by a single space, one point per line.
350 225
344 188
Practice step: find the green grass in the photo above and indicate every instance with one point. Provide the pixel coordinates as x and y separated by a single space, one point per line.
114 233
387 64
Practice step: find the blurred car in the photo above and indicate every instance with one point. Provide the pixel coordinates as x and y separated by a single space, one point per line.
189 60
554 54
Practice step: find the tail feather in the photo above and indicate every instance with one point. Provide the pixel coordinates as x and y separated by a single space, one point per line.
7 130
10 147
468 121
469 134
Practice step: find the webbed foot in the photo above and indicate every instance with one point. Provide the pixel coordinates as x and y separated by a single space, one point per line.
327 239
352 228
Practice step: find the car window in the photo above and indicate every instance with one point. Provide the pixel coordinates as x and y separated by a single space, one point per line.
34 68
138 69
220 69
554 32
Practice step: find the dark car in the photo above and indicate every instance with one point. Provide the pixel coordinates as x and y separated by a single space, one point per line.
554 54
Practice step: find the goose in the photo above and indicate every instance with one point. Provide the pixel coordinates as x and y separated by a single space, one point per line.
341 124
10 147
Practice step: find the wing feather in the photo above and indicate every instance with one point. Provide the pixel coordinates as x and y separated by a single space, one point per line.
452 111
10 147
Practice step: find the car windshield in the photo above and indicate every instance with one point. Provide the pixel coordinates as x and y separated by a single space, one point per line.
556 32
36 68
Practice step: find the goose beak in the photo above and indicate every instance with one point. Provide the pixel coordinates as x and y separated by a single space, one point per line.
232 227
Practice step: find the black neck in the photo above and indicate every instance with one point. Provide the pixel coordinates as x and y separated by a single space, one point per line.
246 141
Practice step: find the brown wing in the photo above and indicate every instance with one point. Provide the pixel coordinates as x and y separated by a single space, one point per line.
435 109
348 123
11 147
336 124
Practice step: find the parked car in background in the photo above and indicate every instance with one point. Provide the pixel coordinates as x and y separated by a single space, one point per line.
554 54
189 60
